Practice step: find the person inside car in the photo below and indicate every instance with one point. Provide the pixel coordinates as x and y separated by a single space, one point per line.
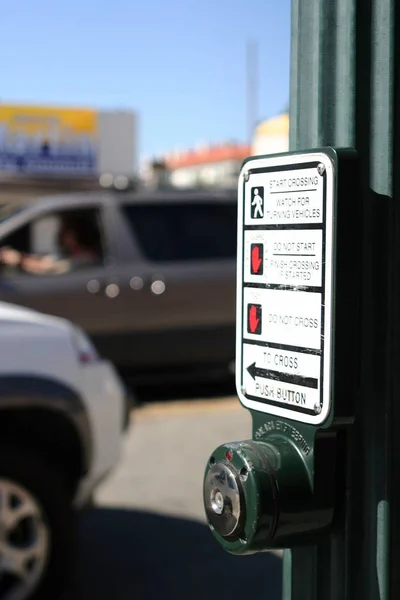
79 246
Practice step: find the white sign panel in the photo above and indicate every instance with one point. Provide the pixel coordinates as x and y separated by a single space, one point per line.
284 286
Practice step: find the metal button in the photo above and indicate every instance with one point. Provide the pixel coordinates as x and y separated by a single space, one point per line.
217 502
223 499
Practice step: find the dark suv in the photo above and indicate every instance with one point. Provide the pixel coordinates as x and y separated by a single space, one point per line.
160 296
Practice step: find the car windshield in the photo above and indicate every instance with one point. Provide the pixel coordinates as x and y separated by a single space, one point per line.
8 210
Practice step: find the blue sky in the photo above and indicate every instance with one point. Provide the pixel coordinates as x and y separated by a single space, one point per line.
179 63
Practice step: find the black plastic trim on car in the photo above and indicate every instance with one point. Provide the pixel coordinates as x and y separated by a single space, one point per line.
26 391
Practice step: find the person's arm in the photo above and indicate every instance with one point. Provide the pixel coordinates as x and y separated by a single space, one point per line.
44 265
10 257
33 263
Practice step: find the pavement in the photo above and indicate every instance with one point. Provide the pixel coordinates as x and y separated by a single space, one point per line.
147 537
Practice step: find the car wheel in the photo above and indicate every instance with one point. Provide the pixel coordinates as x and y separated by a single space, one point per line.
37 527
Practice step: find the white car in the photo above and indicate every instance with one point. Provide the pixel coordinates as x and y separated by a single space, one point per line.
63 413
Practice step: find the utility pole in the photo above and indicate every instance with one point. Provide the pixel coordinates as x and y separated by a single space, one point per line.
318 320
345 62
252 87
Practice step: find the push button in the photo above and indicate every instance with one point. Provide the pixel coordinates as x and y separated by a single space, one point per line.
223 498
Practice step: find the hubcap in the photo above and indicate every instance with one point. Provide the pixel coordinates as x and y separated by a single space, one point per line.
24 541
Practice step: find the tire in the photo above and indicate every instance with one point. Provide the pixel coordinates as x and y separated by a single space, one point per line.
42 491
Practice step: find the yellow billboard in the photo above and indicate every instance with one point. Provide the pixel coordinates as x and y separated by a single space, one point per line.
38 139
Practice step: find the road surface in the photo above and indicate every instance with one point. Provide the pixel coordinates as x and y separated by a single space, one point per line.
147 539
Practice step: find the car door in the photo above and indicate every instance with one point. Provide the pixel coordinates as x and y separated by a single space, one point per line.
177 280
83 296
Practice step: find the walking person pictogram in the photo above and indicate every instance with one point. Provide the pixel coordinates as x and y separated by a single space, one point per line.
257 202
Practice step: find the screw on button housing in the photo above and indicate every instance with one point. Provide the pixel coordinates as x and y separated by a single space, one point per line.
321 169
246 175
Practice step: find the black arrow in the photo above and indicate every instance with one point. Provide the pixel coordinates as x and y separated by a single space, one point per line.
309 382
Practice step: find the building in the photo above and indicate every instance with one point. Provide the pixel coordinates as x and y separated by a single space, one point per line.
205 166
216 165
45 149
271 136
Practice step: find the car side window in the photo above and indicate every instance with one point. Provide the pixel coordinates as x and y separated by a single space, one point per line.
184 231
56 243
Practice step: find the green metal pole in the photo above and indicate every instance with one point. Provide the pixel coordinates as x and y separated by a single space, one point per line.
345 65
